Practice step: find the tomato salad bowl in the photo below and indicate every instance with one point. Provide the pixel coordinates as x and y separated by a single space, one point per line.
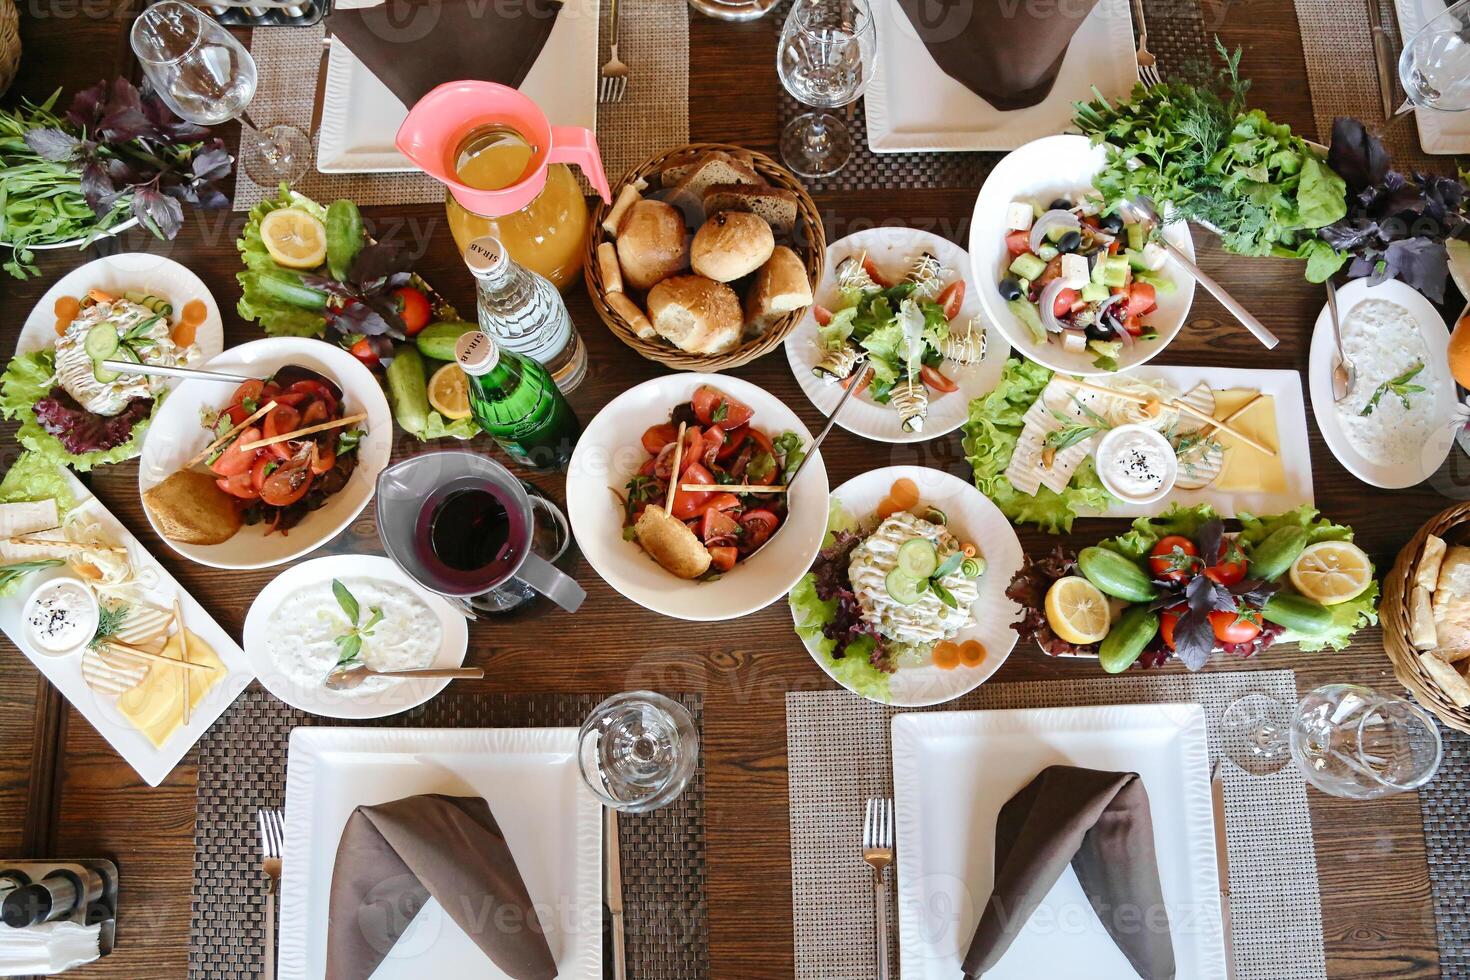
754 564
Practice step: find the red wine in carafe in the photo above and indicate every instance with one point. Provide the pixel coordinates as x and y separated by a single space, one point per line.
470 529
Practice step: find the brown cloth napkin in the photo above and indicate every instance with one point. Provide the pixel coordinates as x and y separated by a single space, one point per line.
393 856
1008 52
1099 823
417 45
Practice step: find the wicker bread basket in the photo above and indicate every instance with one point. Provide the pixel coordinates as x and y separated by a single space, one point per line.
1393 612
9 43
808 241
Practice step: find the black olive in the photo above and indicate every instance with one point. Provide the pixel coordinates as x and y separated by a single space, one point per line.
1070 242
1096 331
1061 204
1010 289
1111 223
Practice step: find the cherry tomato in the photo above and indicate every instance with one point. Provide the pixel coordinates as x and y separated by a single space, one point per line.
235 460
1018 242
863 382
758 525
314 414
1141 298
413 307
1133 325
708 402
1168 619
1228 572
714 444
952 297
716 524
871 268
1166 564
363 351
1062 305
260 470
317 390
323 456
722 501
1231 627
656 437
723 558
281 420
734 439
238 485
689 503
287 484
823 315
936 380
249 391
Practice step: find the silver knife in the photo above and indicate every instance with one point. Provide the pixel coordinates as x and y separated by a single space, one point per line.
1383 59
1222 862
612 886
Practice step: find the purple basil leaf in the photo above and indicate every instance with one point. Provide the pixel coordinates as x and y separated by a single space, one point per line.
98 188
52 144
1419 262
212 162
378 261
1358 156
1211 540
1349 234
363 319
1194 639
212 198
86 106
1253 592
185 193
161 214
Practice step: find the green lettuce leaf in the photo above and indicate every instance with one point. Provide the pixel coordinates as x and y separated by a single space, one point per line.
277 318
28 379
437 426
854 670
990 438
1254 529
34 477
883 346
1147 531
1347 618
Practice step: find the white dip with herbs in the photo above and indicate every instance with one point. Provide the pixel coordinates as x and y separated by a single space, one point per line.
301 639
1136 463
1384 417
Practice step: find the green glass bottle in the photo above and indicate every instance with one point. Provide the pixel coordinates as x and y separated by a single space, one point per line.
514 399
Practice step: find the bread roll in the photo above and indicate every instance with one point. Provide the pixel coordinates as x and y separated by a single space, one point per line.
669 542
652 243
696 314
780 286
189 507
731 244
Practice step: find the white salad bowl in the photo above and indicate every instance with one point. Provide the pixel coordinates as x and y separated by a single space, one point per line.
973 518
892 250
1044 169
609 453
177 435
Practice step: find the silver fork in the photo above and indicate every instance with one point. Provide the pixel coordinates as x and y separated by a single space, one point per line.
1148 68
878 853
614 84
272 835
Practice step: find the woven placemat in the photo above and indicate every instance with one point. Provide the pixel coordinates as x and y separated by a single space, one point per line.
1176 35
839 755
1446 828
653 42
242 768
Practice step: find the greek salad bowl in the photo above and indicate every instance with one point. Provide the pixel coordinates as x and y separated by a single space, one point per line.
711 554
1071 288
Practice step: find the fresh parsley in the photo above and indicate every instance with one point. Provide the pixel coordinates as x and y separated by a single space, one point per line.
1401 386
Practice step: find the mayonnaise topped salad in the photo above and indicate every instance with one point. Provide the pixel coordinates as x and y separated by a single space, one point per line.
119 329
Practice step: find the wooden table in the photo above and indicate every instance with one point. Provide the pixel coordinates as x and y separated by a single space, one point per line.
64 792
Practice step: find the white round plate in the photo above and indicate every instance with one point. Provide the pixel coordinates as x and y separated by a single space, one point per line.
163 277
1044 169
401 695
893 250
972 517
176 436
609 453
1319 382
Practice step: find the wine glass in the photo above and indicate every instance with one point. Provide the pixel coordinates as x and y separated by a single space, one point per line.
208 77
1435 64
825 59
638 750
1347 740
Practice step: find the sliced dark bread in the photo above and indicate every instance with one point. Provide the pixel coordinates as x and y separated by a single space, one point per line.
777 205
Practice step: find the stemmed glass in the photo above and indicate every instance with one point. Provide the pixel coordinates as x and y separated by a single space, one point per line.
1435 64
638 751
208 77
825 59
1347 740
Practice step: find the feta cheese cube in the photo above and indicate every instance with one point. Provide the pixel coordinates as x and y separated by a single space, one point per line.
1074 270
1018 216
1074 341
1154 256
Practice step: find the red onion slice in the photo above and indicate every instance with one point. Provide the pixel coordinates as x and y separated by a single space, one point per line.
1047 304
1050 220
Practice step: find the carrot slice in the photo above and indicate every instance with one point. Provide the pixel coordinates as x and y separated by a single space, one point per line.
66 309
888 508
193 312
100 296
904 492
946 655
972 653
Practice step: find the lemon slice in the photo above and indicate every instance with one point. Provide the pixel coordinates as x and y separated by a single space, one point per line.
295 239
1331 572
1459 261
1077 610
449 393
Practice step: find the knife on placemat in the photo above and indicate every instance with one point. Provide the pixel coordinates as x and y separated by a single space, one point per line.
612 888
1222 862
1383 59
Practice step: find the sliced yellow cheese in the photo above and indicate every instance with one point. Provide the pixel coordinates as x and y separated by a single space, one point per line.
1247 469
156 706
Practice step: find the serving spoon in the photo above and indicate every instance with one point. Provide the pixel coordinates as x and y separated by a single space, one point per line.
1344 375
164 371
347 678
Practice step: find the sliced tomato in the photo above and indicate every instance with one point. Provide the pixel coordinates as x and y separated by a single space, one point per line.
1133 325
288 483
314 413
723 558
262 469
714 443
1166 564
936 380
952 297
413 307
722 501
713 407
1018 242
1062 305
647 469
281 420
656 437
250 391
689 503
1142 298
317 390
716 524
757 526
1232 627
235 460
862 382
323 456
734 439
1168 619
1052 271
238 485
823 315
871 268
763 448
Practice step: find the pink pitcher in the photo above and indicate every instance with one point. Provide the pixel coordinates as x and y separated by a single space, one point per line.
504 165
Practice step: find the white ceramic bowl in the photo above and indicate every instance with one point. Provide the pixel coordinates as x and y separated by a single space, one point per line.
1147 434
176 436
609 452
1044 169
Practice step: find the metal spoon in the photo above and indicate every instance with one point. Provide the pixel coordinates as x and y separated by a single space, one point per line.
1344 375
346 678
1142 208
161 370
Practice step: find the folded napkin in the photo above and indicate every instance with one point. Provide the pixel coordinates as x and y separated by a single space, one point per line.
1099 823
1008 52
49 947
416 45
394 856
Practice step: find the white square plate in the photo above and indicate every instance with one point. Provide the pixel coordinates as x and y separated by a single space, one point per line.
360 116
1439 132
913 105
153 763
529 777
953 771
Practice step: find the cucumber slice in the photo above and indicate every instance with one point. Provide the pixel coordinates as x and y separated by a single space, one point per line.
917 558
106 375
904 590
101 342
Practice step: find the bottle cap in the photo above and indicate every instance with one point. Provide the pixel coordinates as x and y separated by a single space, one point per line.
476 353
485 256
